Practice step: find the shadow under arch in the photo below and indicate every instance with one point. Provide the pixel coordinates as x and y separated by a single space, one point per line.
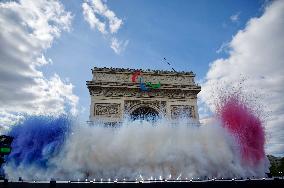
144 113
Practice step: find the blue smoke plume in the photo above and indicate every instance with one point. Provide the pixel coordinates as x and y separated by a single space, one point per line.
37 139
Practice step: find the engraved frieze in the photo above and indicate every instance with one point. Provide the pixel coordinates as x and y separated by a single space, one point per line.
107 110
178 111
134 92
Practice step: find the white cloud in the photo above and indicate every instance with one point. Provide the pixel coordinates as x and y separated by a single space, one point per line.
100 17
235 17
256 54
92 9
118 46
90 17
27 29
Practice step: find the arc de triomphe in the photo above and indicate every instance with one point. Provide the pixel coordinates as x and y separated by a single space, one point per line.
114 94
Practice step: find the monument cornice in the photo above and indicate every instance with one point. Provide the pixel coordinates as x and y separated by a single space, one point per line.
93 84
175 93
148 71
113 78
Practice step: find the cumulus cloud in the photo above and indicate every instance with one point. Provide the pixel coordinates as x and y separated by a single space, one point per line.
27 29
93 9
256 54
100 17
90 17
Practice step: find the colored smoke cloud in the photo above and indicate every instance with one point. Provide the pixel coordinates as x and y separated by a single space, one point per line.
36 141
245 126
47 148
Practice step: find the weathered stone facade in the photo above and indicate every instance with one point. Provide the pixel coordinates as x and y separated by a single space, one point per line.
114 94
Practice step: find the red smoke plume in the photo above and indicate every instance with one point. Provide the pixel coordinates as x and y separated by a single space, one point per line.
245 126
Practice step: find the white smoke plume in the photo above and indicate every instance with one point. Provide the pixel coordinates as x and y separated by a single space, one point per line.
141 149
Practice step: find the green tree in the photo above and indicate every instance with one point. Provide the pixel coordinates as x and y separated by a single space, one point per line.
273 169
281 166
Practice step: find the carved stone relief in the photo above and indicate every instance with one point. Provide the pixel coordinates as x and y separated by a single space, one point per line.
134 92
107 110
178 111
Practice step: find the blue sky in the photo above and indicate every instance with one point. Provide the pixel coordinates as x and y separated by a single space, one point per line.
187 33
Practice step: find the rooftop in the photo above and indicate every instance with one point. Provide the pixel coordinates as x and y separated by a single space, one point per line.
149 71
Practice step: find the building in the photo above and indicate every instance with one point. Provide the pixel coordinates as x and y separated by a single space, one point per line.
117 93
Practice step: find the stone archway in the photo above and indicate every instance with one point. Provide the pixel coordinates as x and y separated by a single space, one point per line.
144 113
115 96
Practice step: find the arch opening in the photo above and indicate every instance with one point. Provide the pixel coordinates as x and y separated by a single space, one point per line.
145 113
